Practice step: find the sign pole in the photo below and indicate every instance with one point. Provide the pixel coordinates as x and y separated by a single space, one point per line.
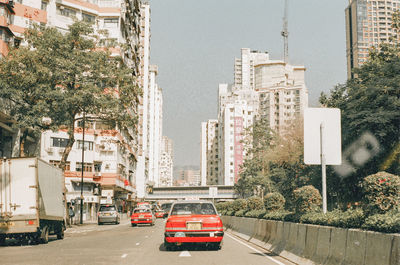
323 169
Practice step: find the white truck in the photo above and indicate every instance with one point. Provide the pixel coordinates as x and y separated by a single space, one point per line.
32 205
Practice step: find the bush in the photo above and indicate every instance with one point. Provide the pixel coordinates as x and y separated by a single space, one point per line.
239 204
307 199
348 219
255 203
240 213
223 206
388 222
274 201
381 193
229 213
255 214
277 215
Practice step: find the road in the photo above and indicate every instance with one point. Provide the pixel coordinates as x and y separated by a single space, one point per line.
123 244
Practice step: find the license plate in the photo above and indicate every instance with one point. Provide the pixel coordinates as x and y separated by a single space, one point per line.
107 214
141 216
193 226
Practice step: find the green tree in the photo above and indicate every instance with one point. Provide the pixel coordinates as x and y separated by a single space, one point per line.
59 76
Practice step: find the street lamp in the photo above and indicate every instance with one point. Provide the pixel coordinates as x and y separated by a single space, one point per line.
83 161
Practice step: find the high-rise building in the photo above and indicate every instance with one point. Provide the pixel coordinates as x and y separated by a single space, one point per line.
209 153
368 23
166 163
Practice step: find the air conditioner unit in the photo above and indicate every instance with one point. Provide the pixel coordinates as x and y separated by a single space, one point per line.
49 150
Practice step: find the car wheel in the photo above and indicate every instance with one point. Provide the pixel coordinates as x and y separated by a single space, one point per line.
216 246
133 225
60 234
168 246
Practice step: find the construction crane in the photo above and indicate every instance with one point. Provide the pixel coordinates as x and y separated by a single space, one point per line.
285 34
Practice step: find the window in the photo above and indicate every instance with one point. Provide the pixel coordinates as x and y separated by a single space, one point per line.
44 5
111 22
59 142
67 12
88 18
56 163
88 145
88 167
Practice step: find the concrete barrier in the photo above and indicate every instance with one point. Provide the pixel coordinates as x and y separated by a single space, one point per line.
378 247
395 253
311 244
337 249
323 247
355 247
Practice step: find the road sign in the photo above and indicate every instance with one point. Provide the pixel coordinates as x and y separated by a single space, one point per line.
332 145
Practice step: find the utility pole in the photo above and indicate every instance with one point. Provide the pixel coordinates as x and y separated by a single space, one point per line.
285 34
83 163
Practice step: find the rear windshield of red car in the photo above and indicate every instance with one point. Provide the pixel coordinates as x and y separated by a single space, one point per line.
141 211
193 209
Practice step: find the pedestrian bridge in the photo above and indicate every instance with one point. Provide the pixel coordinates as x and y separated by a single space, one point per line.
217 193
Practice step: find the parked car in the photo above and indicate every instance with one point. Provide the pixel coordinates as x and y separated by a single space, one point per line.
142 216
159 214
108 214
193 222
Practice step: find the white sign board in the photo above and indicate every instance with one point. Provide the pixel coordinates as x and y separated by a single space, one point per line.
107 193
332 144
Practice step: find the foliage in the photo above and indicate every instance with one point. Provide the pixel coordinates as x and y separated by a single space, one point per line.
274 201
223 206
240 213
239 204
277 215
388 222
307 199
255 213
255 203
381 192
352 218
58 76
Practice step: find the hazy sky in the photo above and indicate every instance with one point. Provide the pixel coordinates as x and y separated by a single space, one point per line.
194 43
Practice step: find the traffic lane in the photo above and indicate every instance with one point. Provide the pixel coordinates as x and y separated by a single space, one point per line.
233 251
87 245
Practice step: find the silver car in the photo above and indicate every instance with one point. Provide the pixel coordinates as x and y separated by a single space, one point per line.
108 214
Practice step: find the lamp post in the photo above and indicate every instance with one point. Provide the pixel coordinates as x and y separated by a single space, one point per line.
83 161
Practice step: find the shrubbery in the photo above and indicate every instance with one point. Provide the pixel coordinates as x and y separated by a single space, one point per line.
277 215
274 201
239 204
255 214
307 199
255 203
348 219
388 222
240 213
381 193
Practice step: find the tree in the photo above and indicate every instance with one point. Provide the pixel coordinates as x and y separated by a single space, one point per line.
59 76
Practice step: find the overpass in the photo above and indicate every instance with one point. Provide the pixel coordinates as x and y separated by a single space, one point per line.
217 193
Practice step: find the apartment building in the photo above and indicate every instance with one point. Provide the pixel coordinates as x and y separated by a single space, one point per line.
110 156
209 153
368 23
166 163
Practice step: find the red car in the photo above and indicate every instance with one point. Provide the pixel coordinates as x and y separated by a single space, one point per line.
160 214
193 222
142 216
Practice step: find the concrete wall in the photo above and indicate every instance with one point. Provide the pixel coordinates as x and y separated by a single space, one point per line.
312 244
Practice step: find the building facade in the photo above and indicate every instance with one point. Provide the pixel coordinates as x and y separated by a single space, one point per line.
166 163
209 153
368 23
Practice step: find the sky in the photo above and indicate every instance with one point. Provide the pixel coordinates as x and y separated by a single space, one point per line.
194 43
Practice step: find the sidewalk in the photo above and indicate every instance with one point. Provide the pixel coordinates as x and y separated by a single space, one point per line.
124 219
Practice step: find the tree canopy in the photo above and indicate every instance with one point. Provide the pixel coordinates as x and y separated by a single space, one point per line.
57 76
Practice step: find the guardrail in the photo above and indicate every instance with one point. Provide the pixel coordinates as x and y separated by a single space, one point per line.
313 244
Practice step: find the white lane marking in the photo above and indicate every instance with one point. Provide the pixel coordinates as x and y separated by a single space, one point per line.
185 254
124 256
250 247
146 236
137 244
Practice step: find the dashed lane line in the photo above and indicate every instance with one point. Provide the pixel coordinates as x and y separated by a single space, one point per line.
254 249
124 256
185 254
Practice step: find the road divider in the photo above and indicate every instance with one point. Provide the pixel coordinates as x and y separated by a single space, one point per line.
313 244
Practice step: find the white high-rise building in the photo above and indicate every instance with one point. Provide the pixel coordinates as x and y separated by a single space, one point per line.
166 163
142 176
155 126
209 153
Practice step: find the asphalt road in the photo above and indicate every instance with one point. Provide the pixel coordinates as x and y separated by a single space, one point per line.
123 244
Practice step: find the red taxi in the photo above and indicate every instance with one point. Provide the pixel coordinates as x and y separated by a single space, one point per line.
159 214
142 216
193 222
